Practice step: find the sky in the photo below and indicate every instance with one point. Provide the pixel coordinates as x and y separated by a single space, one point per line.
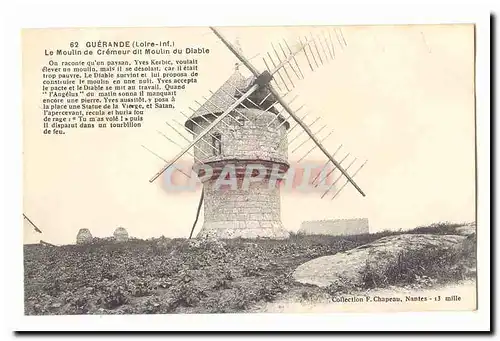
401 97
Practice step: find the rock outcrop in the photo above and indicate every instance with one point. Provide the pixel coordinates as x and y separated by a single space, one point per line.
350 266
335 227
84 237
120 235
467 229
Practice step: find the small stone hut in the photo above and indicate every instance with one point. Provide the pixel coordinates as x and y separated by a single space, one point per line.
84 237
120 234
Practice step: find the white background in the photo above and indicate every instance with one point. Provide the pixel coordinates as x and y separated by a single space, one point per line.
140 13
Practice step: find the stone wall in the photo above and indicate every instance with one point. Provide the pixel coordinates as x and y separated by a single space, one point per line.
335 227
245 211
250 140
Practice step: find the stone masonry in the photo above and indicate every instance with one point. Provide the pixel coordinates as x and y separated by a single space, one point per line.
84 236
248 147
120 235
335 227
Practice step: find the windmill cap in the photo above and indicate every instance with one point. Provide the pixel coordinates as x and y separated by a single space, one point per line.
224 97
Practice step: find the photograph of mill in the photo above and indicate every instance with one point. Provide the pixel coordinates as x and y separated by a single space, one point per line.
251 190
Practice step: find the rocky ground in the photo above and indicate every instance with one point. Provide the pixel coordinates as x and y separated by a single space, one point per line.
180 276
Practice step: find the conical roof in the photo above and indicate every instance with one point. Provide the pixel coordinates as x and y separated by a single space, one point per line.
224 96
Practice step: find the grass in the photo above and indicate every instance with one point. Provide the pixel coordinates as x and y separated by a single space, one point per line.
174 276
427 267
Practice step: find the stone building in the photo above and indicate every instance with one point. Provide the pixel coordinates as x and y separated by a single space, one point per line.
335 227
120 235
248 143
84 237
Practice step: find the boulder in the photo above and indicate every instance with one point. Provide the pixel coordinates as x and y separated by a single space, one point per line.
84 237
120 235
350 266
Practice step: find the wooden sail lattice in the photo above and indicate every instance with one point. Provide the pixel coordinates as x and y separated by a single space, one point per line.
286 64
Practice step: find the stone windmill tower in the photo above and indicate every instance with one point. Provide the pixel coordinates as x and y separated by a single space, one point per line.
240 143
247 206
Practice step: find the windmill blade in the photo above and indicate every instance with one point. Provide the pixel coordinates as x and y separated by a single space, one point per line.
302 132
290 64
267 110
331 171
309 57
305 141
338 178
264 99
324 167
314 50
285 136
324 51
194 111
315 146
193 133
317 50
275 118
178 145
32 224
241 93
199 126
331 41
238 55
234 99
296 111
218 107
283 65
206 131
294 60
163 159
252 102
277 71
340 36
269 71
310 49
311 135
264 79
331 51
353 175
288 59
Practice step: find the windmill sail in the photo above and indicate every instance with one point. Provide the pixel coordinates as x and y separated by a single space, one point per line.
283 70
206 131
32 224
263 80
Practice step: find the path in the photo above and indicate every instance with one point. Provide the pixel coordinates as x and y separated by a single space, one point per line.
466 291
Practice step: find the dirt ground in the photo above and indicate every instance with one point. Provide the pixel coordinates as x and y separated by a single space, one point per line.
164 275
453 297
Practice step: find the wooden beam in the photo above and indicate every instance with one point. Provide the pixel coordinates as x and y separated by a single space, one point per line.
285 105
206 131
311 135
32 224
197 212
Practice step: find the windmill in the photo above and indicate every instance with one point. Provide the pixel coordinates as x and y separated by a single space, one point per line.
241 134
